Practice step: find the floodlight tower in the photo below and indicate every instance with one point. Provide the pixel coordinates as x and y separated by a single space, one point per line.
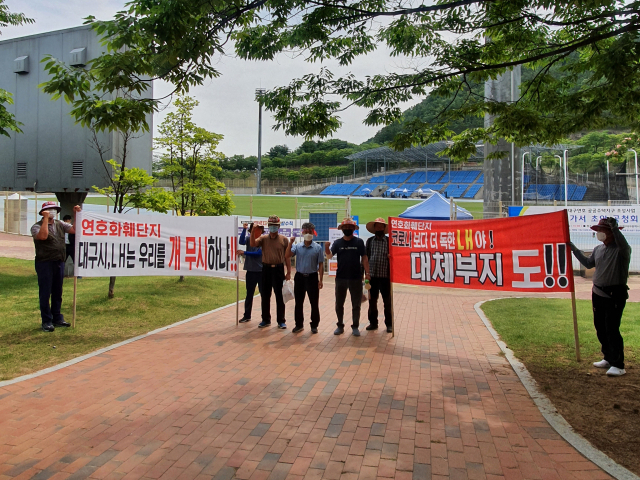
259 93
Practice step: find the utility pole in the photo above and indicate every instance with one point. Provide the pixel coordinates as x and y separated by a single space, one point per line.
259 93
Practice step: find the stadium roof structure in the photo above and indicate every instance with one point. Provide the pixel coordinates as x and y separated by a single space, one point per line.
418 154
412 154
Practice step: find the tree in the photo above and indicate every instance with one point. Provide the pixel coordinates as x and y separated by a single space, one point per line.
278 151
451 44
114 103
188 157
8 122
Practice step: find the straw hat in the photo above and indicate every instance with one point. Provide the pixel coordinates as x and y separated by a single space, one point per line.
348 221
371 225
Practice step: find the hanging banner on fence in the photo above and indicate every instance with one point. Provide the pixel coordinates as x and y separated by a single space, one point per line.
117 245
523 254
581 218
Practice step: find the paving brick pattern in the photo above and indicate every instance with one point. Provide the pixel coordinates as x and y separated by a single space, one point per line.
210 400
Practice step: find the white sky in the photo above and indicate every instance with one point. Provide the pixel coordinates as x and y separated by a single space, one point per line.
227 104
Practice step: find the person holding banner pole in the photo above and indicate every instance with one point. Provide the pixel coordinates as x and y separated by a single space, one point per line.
274 247
377 248
48 238
609 293
351 254
252 265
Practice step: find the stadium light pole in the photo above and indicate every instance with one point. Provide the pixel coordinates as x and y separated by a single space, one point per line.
522 184
566 184
537 189
636 159
259 93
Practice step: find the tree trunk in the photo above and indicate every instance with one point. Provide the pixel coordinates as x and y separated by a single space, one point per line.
112 285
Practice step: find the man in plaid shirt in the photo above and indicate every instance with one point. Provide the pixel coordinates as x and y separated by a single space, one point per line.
378 252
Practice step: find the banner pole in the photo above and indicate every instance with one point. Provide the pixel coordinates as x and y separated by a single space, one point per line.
237 277
575 323
393 316
75 292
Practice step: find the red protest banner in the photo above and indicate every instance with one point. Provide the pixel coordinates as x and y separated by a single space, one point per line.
523 254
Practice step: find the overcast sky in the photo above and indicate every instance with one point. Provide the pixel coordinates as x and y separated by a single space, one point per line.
227 104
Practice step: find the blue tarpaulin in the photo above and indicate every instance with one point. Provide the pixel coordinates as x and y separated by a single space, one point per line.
435 207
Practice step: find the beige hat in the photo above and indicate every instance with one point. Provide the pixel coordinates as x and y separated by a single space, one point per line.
371 225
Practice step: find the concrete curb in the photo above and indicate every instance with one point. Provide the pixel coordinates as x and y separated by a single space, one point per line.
550 413
110 347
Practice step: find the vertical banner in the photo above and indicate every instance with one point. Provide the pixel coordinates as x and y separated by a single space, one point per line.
522 254
155 245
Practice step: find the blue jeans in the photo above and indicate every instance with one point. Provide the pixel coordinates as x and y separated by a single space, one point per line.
50 278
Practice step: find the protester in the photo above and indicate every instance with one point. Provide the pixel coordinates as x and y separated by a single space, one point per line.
308 278
609 293
50 257
377 248
69 240
274 247
351 254
253 267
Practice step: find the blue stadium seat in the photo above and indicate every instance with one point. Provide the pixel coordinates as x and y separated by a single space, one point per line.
433 177
360 191
480 179
418 177
473 191
435 187
455 191
579 193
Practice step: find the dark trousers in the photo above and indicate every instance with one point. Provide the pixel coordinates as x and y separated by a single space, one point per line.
607 314
380 286
272 278
71 252
50 278
307 285
252 280
355 289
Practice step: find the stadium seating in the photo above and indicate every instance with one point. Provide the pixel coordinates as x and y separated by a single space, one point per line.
480 179
378 178
432 186
390 187
473 191
579 193
410 187
418 177
340 189
556 192
455 191
360 191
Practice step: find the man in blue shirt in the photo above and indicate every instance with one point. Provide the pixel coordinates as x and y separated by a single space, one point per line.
253 266
308 277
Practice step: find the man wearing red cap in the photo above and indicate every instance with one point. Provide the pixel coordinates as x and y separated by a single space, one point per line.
609 294
48 237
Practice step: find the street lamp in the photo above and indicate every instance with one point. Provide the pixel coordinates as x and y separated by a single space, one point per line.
566 189
636 158
259 93
537 167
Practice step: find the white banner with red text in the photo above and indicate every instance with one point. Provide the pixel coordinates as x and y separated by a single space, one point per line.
117 245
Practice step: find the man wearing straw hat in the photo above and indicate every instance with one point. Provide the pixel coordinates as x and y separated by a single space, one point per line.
48 237
274 247
351 254
609 293
252 265
377 248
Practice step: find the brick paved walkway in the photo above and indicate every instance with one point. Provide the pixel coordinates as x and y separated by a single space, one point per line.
211 400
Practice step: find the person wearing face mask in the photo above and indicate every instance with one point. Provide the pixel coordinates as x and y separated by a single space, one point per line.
252 265
609 293
308 278
274 247
48 238
351 254
378 254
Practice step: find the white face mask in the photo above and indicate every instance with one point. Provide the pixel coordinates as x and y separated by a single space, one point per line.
601 236
274 228
307 237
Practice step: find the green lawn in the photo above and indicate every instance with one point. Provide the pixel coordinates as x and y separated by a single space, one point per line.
540 331
141 304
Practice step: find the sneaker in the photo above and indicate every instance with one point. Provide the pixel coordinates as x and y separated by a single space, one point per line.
339 331
245 319
61 323
282 326
355 332
616 372
372 327
601 364
314 330
297 329
48 327
264 324
389 330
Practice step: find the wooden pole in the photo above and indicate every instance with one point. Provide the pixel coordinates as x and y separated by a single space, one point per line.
393 316
237 278
36 199
75 292
575 324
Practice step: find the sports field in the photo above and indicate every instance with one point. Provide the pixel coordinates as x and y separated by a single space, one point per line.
366 208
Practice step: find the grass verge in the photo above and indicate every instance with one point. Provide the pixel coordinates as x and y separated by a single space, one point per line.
540 330
141 304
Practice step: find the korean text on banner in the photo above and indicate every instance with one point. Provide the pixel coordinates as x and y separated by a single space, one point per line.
522 254
150 245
